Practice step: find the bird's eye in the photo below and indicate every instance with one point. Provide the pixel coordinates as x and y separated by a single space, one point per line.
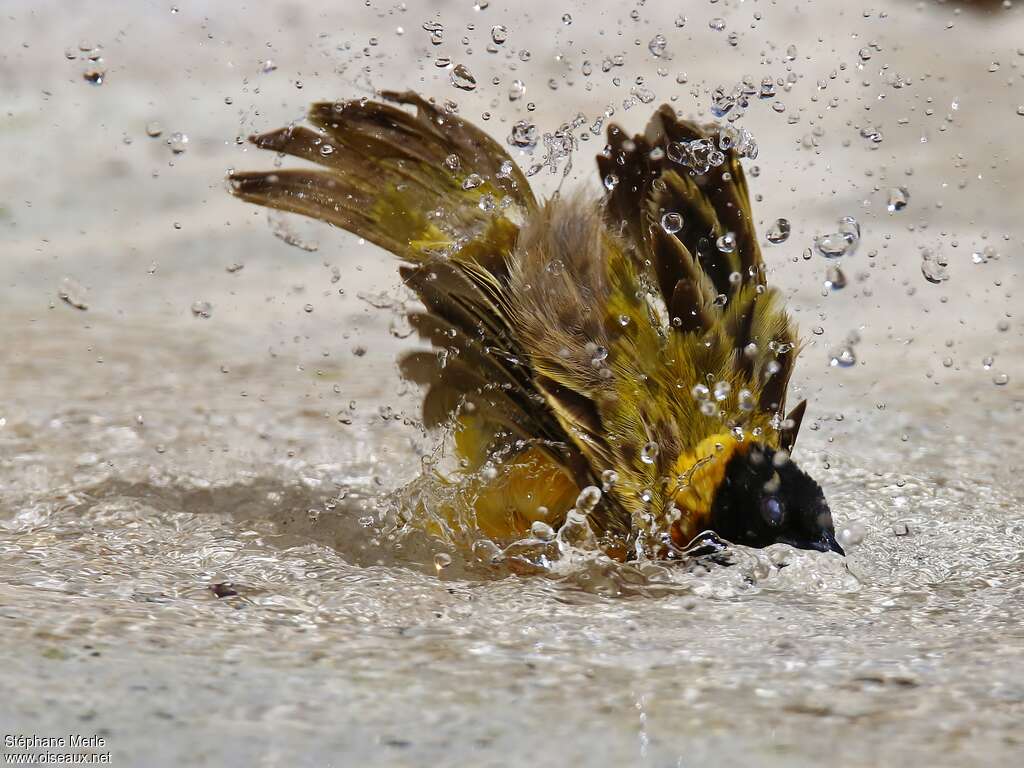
772 510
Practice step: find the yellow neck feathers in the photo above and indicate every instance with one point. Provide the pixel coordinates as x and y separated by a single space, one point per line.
700 475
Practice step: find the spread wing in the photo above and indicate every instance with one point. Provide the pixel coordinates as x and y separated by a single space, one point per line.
448 201
681 197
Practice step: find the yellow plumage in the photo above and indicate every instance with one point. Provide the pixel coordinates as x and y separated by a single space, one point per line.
572 339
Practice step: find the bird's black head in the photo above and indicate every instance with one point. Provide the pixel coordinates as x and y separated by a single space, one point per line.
765 499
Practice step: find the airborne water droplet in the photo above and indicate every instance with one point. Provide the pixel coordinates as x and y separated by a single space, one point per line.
672 222
462 78
649 453
843 357
178 142
442 560
778 233
841 243
524 135
608 480
202 309
72 294
898 199
834 278
658 46
94 75
588 499
933 266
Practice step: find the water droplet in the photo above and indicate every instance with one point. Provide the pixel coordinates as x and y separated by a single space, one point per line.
268 66
281 227
567 19
722 390
462 78
154 129
672 222
608 480
841 243
516 91
588 499
524 135
658 46
72 294
699 155
746 400
717 24
680 21
541 530
178 142
778 233
850 536
898 199
611 181
933 266
499 34
834 278
649 453
472 181
442 560
726 243
843 357
202 309
1001 379
94 75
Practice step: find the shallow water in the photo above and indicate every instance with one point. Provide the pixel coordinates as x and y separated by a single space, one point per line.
199 560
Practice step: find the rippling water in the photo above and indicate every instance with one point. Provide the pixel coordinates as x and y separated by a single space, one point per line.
199 550
183 578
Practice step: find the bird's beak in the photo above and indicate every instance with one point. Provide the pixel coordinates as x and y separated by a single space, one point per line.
828 543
